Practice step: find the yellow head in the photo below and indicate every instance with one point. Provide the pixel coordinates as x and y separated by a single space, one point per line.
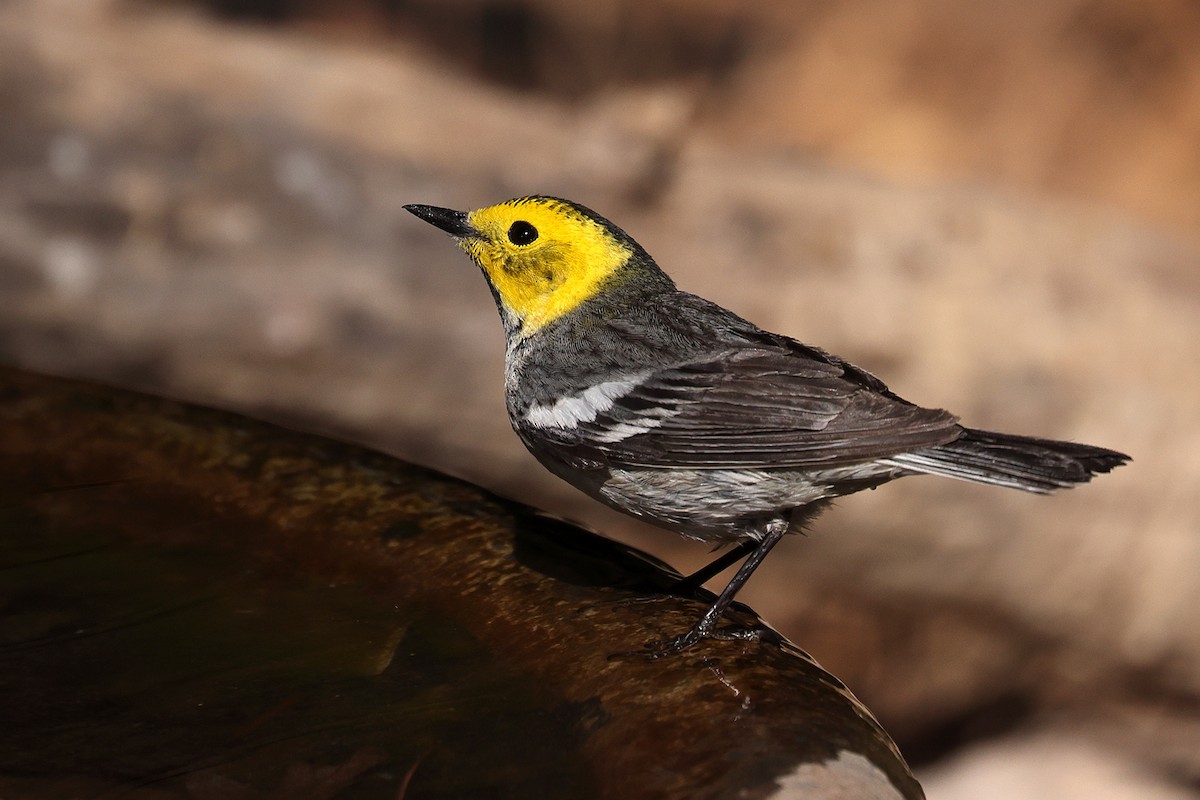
542 256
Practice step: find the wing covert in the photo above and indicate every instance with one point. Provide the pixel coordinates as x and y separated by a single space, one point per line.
754 408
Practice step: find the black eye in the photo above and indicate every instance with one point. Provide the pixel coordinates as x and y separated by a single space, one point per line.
521 232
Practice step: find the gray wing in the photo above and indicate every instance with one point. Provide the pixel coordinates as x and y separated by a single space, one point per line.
780 405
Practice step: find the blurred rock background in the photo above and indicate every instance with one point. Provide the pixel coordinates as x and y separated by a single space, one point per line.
996 207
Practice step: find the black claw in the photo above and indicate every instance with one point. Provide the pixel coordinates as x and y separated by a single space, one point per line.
671 647
759 633
662 648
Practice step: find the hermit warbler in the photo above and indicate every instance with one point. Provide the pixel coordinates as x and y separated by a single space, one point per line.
679 412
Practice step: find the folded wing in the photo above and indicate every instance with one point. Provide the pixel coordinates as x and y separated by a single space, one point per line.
767 407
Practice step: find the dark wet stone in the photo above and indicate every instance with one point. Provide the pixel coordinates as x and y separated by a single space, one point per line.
401 529
200 605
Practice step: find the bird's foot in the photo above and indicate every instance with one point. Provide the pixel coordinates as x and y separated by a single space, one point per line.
661 648
758 633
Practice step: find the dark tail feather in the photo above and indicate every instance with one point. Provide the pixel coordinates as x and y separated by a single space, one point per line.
1020 462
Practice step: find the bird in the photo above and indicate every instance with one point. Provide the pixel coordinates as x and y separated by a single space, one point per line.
679 412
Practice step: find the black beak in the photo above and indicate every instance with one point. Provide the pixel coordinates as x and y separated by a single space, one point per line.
451 221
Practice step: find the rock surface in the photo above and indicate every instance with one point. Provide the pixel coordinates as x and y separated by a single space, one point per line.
198 605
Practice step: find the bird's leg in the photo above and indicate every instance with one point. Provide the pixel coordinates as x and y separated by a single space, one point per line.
772 533
719 564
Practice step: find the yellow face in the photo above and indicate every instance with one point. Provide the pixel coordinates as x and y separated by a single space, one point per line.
542 256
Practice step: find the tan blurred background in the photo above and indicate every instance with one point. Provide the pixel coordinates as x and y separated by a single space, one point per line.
994 206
